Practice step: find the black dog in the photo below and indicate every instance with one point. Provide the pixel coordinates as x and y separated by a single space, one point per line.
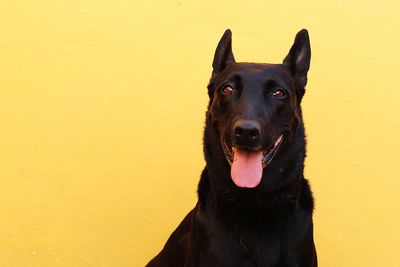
255 206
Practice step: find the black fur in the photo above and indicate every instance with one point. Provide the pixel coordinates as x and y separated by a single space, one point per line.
271 224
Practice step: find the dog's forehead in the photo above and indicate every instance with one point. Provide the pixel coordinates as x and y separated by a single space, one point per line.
260 72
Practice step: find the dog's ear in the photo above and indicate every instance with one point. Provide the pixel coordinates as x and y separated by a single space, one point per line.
222 57
298 59
223 54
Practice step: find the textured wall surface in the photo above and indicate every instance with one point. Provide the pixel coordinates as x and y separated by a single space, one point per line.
102 109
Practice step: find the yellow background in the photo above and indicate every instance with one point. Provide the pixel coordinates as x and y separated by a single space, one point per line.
102 110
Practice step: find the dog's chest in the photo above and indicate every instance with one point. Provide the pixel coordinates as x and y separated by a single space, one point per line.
248 249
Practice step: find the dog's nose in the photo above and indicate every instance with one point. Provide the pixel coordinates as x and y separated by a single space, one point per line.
246 130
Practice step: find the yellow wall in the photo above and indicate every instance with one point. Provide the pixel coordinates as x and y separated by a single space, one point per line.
102 109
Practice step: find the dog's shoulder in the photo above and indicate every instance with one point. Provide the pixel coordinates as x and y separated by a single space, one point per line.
173 252
306 200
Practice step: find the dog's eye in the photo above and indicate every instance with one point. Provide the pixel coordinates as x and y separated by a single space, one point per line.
227 90
278 93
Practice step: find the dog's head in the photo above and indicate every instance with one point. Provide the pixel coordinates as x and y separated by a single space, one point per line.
255 108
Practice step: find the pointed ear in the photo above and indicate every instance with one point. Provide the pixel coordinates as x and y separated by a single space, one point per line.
298 59
223 54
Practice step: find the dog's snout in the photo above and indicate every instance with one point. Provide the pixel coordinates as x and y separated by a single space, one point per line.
246 130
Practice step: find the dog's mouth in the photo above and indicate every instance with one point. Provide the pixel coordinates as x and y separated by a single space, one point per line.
247 165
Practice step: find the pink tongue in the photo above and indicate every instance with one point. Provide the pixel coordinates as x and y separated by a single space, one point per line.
246 169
